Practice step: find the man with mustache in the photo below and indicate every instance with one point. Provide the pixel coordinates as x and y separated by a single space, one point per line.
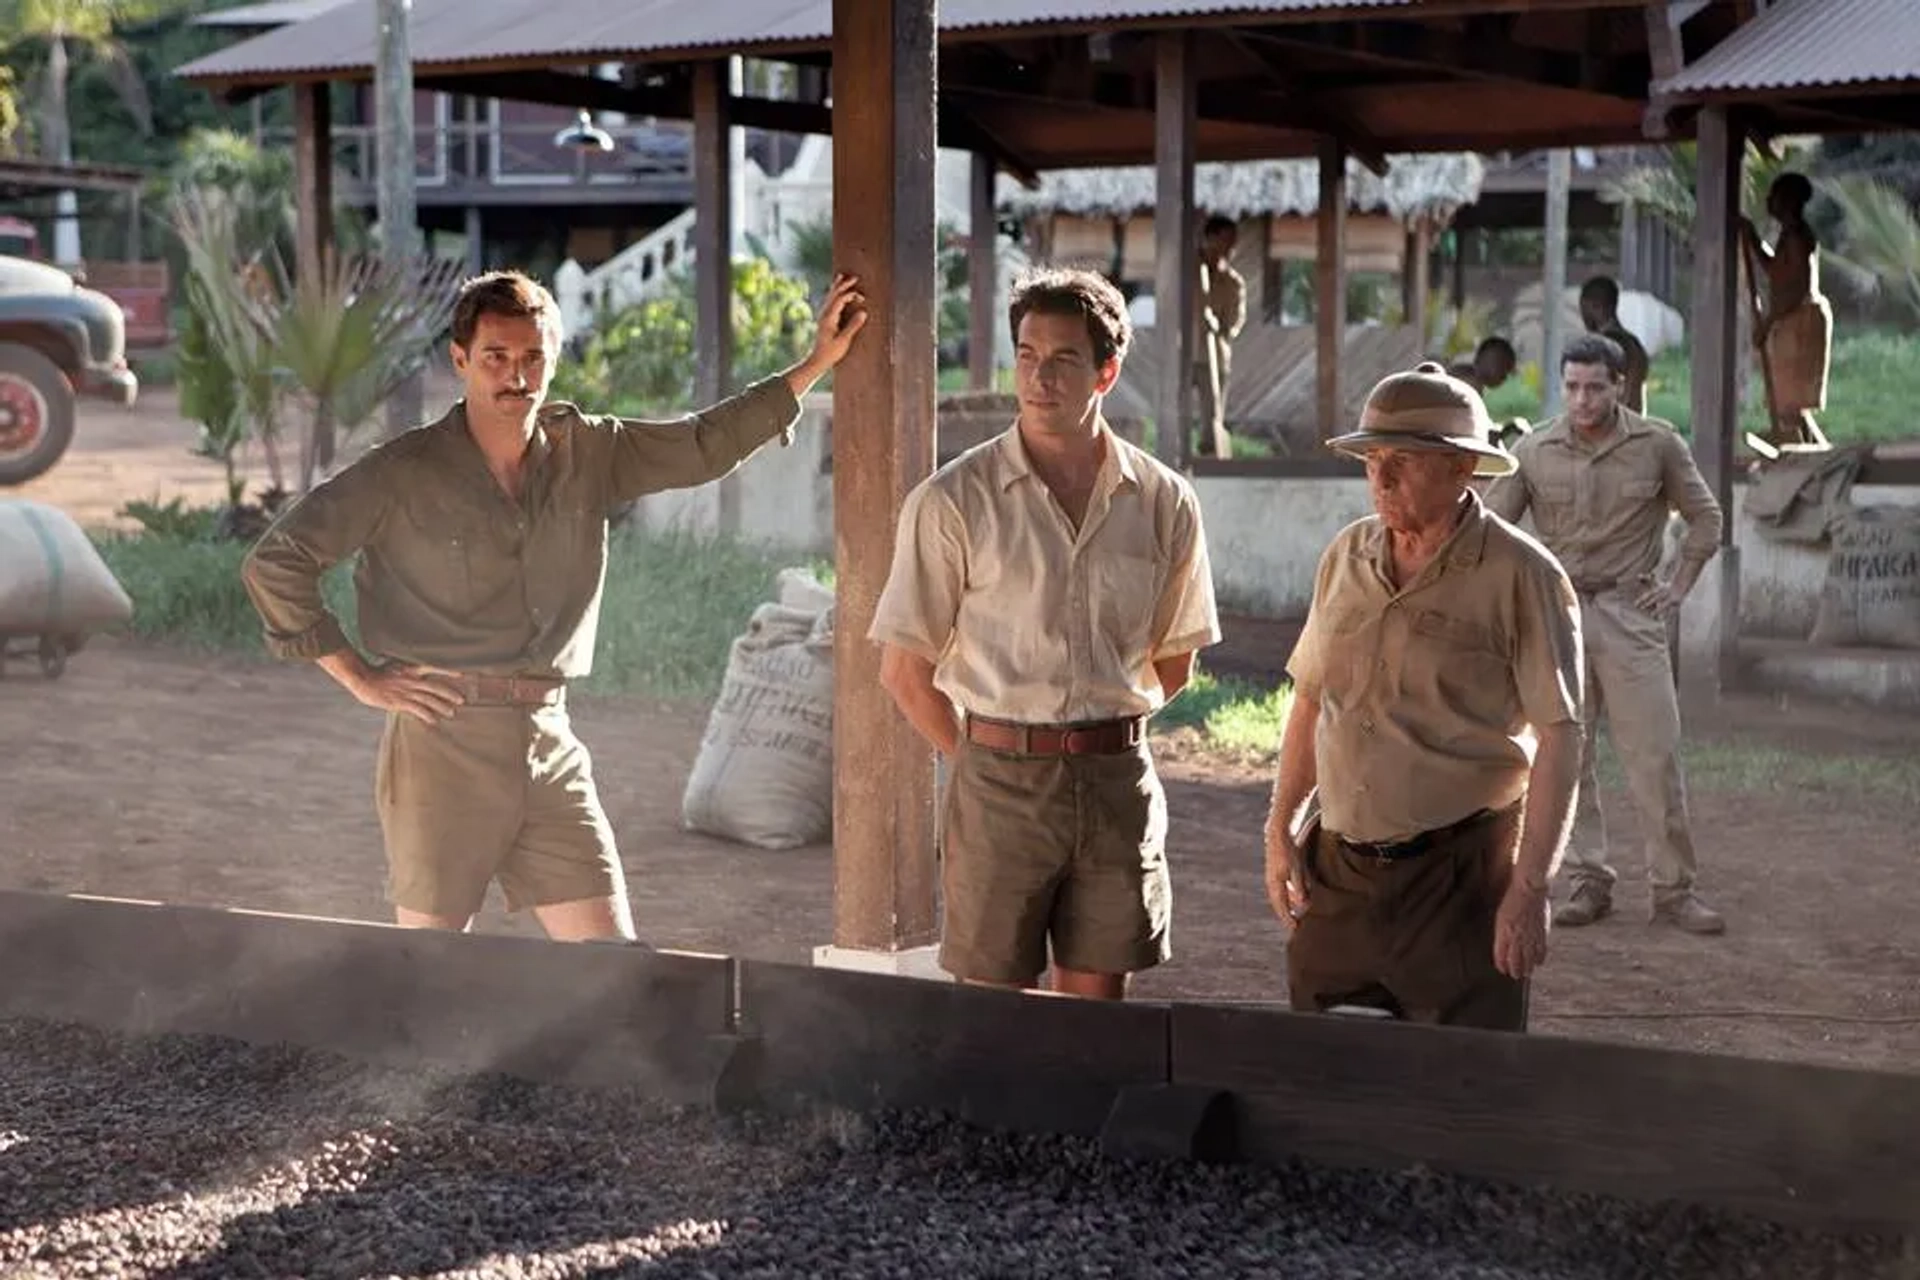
483 539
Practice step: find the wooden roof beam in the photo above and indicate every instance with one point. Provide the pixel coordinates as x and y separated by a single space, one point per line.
674 101
1353 136
1459 56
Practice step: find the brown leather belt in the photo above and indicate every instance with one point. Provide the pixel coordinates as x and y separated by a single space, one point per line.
1090 738
508 691
1415 845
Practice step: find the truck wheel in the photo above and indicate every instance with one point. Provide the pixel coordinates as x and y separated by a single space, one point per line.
36 413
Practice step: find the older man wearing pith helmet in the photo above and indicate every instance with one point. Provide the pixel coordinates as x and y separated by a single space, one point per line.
1429 763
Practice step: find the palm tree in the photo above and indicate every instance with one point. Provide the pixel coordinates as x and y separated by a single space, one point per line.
1879 251
64 29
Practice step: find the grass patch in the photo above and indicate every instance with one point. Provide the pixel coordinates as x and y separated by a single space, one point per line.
1235 715
672 605
1748 768
1872 388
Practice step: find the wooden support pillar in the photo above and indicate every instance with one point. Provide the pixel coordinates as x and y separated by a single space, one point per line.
713 261
1553 283
983 274
1419 278
883 444
1714 341
1330 288
313 207
1176 242
1632 275
1460 235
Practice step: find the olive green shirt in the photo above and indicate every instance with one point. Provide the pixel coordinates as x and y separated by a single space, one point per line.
454 573
1602 506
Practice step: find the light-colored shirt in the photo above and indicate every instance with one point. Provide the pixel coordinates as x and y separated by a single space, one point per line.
1026 618
1602 506
456 574
1431 695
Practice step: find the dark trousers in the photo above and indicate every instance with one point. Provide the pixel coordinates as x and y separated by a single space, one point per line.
1411 936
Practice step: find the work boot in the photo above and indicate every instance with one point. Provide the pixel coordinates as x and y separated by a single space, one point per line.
1686 912
1591 900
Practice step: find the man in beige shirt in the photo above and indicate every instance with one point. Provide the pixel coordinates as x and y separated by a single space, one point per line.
1222 300
1050 589
483 543
1600 482
1436 713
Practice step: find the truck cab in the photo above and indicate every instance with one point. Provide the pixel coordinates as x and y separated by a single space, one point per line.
58 341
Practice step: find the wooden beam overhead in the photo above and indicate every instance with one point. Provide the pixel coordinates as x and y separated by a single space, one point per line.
1360 143
1458 55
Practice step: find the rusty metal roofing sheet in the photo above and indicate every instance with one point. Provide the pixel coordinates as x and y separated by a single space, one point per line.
450 32
1805 44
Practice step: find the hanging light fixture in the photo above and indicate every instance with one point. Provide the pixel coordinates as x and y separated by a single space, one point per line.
583 136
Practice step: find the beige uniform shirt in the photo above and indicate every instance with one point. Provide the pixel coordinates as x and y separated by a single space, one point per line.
1429 695
1027 619
1602 508
454 573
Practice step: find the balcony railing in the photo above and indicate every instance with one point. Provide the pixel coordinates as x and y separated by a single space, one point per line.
465 154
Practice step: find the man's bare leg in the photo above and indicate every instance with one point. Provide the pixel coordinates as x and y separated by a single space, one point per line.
587 919
1089 986
427 920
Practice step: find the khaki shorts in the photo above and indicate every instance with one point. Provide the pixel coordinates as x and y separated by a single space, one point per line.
1411 936
1063 849
500 793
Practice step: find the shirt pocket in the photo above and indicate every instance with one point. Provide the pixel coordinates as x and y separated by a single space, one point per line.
1349 653
1640 490
1125 588
1553 505
442 556
1456 669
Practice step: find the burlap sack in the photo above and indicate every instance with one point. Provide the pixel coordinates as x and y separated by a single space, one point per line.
52 581
764 775
1872 593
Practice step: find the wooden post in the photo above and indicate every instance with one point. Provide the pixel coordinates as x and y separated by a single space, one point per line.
883 444
396 171
1553 283
713 261
313 196
1176 243
1419 278
1716 280
1330 287
1632 276
983 274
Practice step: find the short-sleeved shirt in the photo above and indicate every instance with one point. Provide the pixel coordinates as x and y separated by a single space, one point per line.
456 574
1601 506
1026 618
1431 695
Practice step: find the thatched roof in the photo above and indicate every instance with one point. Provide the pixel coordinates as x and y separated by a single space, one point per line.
1431 186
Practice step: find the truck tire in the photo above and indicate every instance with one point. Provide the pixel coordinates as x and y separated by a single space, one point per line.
36 413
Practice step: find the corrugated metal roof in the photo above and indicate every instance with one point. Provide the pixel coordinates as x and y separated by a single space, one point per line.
342 39
1803 44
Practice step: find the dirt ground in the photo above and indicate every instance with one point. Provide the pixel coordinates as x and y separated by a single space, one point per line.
152 774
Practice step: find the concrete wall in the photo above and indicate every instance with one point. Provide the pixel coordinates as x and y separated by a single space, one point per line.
1265 534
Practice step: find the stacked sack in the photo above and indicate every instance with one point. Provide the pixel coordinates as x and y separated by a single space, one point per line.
764 775
52 581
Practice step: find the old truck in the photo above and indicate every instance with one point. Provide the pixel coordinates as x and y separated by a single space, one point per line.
58 341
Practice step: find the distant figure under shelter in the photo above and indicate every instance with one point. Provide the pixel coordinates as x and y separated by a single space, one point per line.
1794 330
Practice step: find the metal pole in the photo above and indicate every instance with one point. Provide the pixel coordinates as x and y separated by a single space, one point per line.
399 221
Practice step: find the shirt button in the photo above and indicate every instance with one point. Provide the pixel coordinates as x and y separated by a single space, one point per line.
1366 726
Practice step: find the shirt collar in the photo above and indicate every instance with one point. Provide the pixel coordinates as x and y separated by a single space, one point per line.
1011 462
1560 429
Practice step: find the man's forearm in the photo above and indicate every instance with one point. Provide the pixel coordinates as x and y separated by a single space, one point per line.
1685 574
931 714
346 666
1297 773
1552 784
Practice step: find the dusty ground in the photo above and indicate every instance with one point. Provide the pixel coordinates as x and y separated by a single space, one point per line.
151 774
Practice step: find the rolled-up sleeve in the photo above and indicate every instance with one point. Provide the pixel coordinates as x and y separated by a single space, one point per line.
1186 617
920 605
1687 492
1548 659
645 457
282 572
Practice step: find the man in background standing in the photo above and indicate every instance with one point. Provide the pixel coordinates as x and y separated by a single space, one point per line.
1601 481
1223 313
1600 312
